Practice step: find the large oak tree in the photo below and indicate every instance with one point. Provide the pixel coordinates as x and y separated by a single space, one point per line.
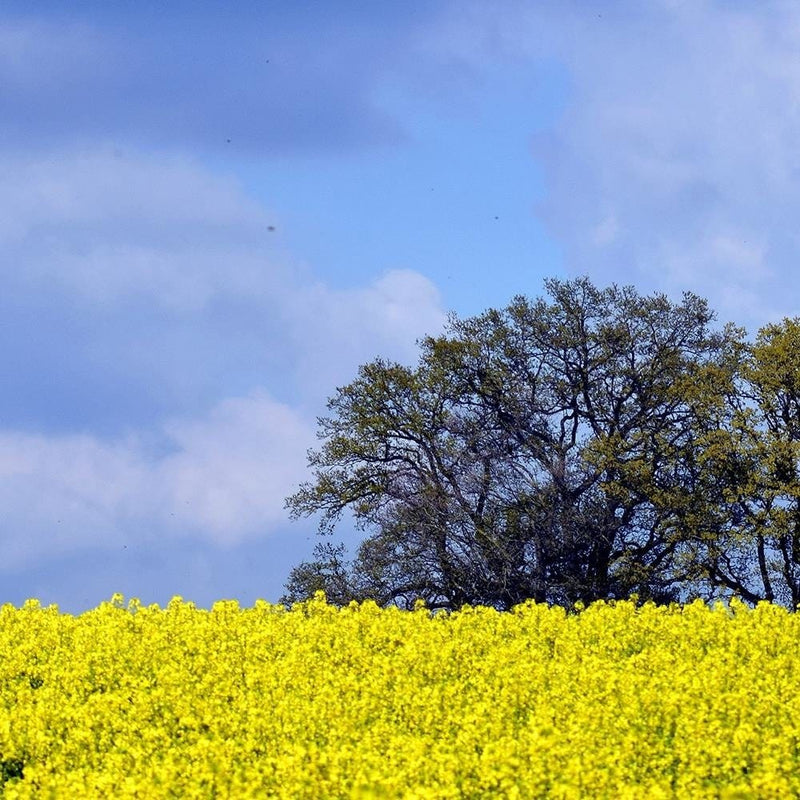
551 450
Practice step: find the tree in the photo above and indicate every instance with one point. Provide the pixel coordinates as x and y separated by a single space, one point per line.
749 542
544 451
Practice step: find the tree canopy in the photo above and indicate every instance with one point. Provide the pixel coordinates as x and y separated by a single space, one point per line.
590 444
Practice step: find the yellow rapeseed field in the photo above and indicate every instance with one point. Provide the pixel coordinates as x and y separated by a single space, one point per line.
616 701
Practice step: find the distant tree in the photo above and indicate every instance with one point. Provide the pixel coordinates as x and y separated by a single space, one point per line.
551 450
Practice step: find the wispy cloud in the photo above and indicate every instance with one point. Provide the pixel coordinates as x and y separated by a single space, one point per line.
674 164
223 479
171 284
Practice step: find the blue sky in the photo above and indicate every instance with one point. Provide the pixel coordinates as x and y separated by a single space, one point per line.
211 214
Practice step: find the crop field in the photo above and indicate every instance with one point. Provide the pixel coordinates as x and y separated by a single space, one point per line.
616 700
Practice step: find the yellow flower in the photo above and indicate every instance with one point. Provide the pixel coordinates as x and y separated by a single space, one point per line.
612 700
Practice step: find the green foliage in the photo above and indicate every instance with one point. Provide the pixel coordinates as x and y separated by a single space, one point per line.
751 475
592 444
10 769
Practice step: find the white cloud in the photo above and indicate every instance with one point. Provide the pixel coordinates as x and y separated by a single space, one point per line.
106 186
675 163
196 253
135 74
62 494
606 231
234 468
334 330
163 232
224 479
158 226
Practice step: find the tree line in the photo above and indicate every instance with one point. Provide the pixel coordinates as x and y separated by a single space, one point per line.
590 444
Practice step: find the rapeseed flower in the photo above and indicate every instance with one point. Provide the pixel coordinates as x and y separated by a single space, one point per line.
616 700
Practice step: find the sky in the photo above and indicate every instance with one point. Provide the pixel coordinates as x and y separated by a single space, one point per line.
211 214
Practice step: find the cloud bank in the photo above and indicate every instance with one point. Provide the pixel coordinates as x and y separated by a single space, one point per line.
674 164
172 79
169 278
224 480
